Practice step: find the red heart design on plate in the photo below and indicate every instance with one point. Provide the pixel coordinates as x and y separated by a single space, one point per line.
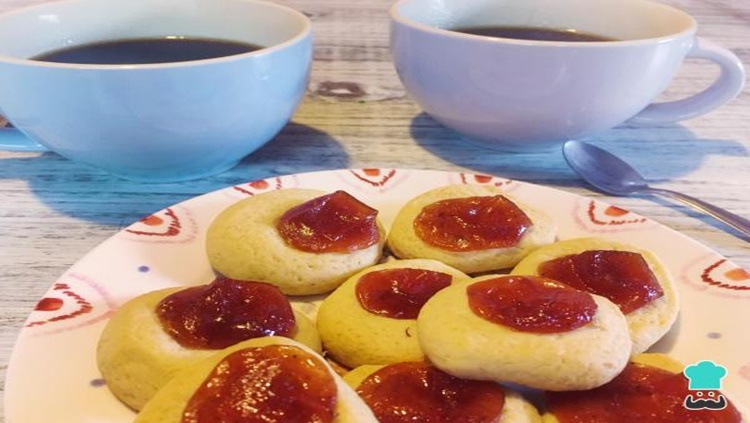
724 274
476 179
165 223
607 215
261 185
374 177
61 297
73 302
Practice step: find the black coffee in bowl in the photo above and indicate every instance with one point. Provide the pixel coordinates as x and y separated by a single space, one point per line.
147 51
532 33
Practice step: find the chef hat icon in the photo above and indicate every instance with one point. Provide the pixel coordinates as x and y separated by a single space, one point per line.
705 375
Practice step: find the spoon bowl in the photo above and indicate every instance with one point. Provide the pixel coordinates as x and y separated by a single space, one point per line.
612 175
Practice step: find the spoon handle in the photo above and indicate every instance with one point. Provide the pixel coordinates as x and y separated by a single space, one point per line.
737 222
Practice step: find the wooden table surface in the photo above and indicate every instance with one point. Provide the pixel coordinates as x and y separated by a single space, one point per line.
356 114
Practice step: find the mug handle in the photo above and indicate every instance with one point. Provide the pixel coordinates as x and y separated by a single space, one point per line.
12 139
727 86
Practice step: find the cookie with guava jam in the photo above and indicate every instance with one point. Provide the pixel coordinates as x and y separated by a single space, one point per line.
372 317
470 227
525 330
303 241
268 379
631 277
416 391
651 388
154 335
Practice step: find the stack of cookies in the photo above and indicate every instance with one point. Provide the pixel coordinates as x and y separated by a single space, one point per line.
457 311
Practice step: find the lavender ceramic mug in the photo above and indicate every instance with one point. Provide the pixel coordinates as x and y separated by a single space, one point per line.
530 95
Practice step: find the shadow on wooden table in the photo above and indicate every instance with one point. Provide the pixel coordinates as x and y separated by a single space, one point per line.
648 149
90 194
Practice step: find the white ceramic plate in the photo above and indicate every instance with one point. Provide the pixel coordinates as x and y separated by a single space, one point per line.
53 374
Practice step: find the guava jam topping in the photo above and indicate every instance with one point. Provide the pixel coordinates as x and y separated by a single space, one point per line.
417 392
531 304
472 223
333 223
274 383
641 393
623 277
224 313
399 293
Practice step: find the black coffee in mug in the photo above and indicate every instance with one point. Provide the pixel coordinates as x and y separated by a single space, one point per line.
532 33
147 51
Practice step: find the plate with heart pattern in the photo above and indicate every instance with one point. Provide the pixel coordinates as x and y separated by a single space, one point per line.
53 374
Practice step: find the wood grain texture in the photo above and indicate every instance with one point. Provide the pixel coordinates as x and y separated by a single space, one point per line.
356 114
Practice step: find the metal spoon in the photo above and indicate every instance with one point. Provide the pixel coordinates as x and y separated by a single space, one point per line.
613 176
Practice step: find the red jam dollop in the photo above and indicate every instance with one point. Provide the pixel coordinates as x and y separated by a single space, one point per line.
531 304
639 394
224 313
623 277
418 392
333 223
472 223
274 383
399 293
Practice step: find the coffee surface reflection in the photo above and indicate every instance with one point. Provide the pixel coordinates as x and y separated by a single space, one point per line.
533 33
147 51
